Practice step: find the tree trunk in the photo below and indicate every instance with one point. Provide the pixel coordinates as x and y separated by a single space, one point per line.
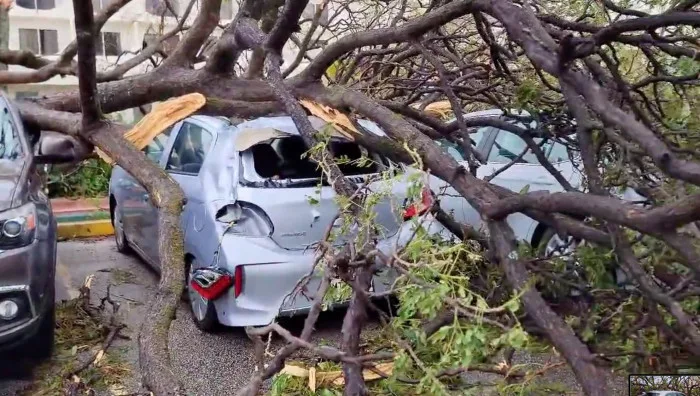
4 34
353 323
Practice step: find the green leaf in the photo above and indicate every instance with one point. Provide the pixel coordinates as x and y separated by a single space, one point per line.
525 189
312 200
517 338
333 69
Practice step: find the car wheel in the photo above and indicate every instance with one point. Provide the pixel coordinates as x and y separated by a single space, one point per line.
119 236
552 245
203 311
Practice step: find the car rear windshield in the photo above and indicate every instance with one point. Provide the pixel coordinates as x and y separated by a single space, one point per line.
286 158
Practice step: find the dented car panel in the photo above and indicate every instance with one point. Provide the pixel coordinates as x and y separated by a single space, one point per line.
262 228
272 275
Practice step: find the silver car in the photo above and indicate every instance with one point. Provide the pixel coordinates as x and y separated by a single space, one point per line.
253 214
500 147
254 210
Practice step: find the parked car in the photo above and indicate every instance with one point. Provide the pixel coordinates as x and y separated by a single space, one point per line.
27 238
500 147
249 222
662 393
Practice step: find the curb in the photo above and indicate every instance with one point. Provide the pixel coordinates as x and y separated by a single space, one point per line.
84 218
84 229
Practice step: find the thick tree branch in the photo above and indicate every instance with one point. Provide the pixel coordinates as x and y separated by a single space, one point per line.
501 241
203 26
87 64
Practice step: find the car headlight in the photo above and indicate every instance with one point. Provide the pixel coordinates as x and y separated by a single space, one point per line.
17 227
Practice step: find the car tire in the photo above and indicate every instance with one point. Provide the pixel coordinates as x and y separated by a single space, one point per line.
119 235
202 310
549 240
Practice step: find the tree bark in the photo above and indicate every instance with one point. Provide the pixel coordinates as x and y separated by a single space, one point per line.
4 30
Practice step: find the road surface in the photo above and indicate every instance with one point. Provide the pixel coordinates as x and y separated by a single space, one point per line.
209 364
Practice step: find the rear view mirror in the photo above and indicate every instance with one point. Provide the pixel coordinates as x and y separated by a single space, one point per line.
55 148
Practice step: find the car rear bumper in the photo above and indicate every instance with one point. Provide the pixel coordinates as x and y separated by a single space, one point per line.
271 276
26 276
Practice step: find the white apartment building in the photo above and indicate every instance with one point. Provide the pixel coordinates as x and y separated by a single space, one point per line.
46 27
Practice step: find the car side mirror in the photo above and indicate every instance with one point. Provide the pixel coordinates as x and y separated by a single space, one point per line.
55 148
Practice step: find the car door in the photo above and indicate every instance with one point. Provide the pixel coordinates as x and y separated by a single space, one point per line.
140 215
187 154
450 200
525 174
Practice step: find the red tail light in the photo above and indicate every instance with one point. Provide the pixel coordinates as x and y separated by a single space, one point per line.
238 281
212 283
421 207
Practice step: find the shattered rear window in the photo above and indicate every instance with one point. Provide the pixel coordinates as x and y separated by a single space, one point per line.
285 158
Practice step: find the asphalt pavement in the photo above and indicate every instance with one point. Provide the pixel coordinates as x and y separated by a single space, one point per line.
208 364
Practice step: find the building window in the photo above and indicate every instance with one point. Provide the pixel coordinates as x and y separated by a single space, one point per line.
159 7
37 4
167 46
44 42
226 12
109 44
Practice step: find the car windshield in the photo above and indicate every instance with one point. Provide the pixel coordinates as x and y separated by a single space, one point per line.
10 144
286 158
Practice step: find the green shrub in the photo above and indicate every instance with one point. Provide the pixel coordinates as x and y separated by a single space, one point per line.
89 179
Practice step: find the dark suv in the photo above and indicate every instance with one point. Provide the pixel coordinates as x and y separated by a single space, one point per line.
27 241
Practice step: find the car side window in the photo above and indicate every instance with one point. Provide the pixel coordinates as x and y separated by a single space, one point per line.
457 151
189 150
154 150
452 149
10 144
478 136
508 146
558 153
